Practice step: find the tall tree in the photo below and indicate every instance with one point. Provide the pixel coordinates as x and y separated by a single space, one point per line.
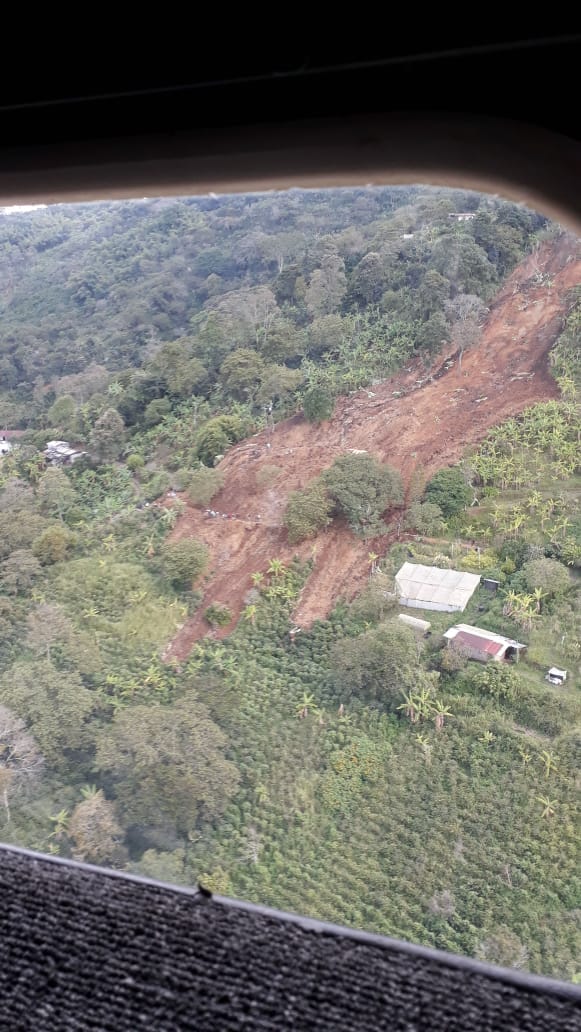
183 561
166 764
108 435
46 625
55 492
19 571
378 665
361 488
21 761
94 830
327 286
466 313
54 704
308 511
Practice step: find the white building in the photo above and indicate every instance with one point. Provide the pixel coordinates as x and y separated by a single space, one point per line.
430 587
482 645
60 453
8 440
420 626
556 676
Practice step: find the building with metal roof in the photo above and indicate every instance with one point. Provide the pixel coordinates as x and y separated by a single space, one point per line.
482 645
431 587
421 626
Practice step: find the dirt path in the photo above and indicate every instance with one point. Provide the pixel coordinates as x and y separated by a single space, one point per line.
431 424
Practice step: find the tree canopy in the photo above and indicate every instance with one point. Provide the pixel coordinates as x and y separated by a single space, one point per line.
361 489
167 764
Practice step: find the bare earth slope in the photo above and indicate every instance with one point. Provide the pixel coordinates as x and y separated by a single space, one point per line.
431 424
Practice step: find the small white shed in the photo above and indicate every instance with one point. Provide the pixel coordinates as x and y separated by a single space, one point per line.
556 676
420 626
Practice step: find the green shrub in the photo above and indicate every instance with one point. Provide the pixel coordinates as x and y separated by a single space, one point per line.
308 511
549 575
183 561
156 411
54 544
449 490
218 615
496 679
426 518
318 405
204 483
135 462
156 486
217 436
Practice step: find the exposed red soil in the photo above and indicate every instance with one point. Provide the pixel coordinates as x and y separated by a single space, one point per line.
429 425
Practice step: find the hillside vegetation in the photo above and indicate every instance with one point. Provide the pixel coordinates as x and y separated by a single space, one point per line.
347 380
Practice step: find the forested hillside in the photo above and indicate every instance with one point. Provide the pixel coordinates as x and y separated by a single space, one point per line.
280 399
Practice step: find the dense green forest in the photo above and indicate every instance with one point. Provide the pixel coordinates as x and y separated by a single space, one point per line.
357 773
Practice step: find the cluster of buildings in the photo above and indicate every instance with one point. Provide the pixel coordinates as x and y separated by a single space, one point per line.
59 453
449 591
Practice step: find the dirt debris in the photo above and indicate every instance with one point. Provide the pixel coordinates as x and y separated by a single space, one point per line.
401 423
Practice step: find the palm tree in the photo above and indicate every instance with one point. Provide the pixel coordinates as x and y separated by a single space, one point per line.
60 821
409 705
257 578
150 546
426 747
511 601
372 558
534 500
525 756
306 705
424 701
497 514
250 614
89 791
440 713
169 518
548 761
488 738
561 526
261 794
548 805
276 567
538 594
517 521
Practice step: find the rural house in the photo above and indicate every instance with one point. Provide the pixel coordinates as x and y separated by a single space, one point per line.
431 587
482 645
60 453
7 440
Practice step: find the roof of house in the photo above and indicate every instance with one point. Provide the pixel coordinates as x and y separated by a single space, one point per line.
555 672
492 648
479 638
434 584
82 947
